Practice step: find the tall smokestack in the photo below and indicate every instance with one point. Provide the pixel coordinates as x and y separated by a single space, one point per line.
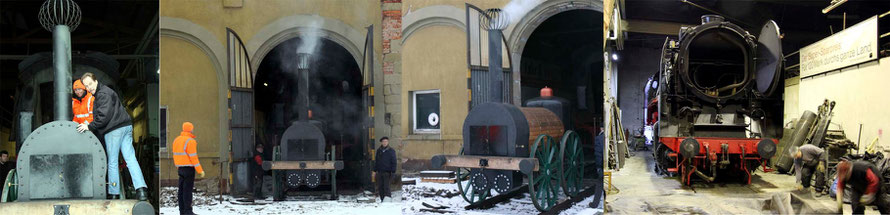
61 17
303 84
495 21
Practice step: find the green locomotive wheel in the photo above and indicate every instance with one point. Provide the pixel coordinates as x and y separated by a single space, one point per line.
468 191
10 191
572 156
544 183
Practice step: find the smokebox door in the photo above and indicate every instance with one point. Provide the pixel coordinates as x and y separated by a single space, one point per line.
769 58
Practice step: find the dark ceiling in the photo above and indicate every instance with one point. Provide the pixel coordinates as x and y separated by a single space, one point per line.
125 29
556 37
802 21
556 54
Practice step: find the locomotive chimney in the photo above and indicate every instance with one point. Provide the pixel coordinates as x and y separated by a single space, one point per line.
61 17
303 84
495 21
711 18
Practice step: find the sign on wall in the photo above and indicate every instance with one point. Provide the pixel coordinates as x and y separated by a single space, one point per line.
856 44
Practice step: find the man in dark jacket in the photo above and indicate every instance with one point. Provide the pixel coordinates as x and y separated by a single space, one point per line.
111 119
384 167
5 167
258 172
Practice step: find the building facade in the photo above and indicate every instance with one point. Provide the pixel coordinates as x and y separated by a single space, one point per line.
418 67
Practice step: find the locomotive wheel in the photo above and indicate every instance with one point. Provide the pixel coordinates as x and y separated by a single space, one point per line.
9 193
468 189
544 187
572 157
656 154
502 183
663 160
312 179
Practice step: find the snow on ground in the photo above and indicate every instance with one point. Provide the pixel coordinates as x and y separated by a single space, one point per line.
584 208
449 196
412 198
347 205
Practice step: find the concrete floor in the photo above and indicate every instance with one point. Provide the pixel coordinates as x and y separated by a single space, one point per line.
637 189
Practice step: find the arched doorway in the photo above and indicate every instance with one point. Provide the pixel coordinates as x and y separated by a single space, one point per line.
564 53
335 99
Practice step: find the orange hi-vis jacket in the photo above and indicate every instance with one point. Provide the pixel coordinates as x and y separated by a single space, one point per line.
83 107
185 151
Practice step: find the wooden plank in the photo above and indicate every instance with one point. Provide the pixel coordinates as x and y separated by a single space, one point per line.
409 181
438 173
299 165
494 162
439 180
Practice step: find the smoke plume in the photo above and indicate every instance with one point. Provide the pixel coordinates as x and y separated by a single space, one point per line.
516 9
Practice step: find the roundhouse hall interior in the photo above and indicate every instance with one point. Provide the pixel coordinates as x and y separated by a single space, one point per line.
676 78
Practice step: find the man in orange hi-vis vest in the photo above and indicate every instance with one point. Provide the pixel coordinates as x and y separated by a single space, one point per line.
82 103
82 107
185 156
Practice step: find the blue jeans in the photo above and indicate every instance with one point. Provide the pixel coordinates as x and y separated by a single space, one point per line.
120 140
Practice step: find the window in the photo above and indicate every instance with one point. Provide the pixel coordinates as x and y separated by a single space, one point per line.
163 127
426 117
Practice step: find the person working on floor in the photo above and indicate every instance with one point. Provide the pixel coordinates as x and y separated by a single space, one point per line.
384 167
809 160
185 157
111 119
865 180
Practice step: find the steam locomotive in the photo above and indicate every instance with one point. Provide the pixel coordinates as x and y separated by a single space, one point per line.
300 159
60 170
719 105
506 145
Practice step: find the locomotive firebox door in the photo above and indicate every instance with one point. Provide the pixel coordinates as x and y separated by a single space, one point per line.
487 140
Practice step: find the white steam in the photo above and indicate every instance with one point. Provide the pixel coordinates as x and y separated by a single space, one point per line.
516 9
310 39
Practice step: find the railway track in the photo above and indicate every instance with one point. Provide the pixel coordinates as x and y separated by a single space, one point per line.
574 200
556 209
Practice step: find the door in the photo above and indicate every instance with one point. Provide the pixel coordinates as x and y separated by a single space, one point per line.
477 60
241 112
368 138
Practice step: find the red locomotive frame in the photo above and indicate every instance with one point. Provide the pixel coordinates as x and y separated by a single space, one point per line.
709 148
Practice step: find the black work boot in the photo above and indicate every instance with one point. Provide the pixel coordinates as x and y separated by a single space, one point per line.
113 197
142 194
